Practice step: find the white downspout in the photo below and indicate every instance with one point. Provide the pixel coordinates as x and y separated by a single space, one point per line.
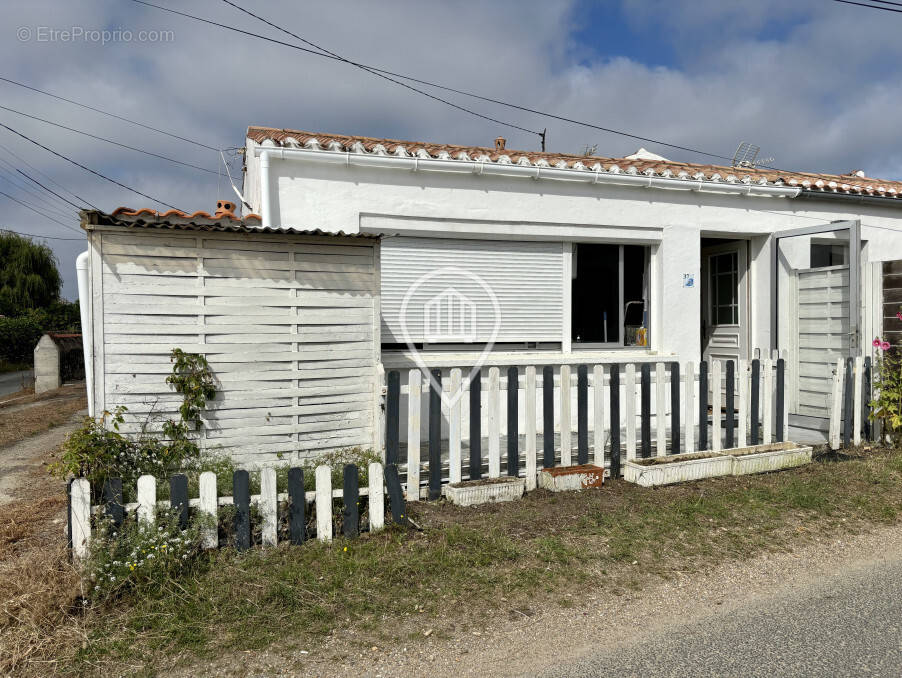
265 197
87 325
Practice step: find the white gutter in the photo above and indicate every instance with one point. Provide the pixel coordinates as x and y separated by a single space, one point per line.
87 326
417 164
265 200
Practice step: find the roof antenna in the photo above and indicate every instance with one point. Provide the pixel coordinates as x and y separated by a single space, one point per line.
234 188
745 155
542 135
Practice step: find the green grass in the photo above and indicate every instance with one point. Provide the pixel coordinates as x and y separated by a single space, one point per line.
494 557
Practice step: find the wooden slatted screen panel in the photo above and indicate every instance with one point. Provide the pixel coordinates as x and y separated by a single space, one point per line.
287 323
892 302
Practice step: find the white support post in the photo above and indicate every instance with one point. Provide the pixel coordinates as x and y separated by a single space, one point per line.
661 409
324 503
207 507
530 405
767 401
856 401
147 499
566 453
80 499
494 421
598 395
742 376
689 414
376 496
414 398
269 508
786 392
454 427
716 399
629 409
836 409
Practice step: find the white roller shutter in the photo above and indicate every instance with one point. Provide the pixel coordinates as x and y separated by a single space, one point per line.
459 279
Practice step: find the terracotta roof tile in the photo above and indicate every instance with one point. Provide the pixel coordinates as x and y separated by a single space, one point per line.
810 181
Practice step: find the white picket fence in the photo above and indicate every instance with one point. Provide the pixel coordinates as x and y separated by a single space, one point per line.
414 433
840 418
208 502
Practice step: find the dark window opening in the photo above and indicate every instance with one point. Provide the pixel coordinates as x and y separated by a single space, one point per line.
823 255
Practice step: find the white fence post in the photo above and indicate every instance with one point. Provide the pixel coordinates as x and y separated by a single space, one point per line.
716 397
566 452
494 421
147 499
454 427
376 497
742 375
661 409
268 505
324 503
530 427
856 401
80 497
629 409
690 415
836 409
598 395
414 395
207 507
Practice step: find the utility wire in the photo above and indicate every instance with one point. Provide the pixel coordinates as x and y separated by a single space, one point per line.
87 169
109 141
107 113
293 46
10 176
46 176
863 4
50 210
35 209
30 178
35 235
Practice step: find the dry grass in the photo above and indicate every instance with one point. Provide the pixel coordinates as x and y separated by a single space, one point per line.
43 412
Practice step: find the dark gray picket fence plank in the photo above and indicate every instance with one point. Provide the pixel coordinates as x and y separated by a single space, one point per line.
615 420
513 437
435 435
847 406
178 498
297 505
674 408
351 500
730 404
781 395
548 416
476 425
112 497
393 418
754 433
241 493
703 405
395 495
645 408
866 400
582 414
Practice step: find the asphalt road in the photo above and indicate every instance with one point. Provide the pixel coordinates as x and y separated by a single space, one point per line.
849 624
10 382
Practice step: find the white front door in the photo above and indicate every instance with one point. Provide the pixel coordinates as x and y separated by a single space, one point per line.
725 301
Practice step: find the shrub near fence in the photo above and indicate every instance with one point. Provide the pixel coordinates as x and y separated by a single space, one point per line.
296 507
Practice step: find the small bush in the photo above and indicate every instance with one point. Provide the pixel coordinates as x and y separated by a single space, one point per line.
18 337
887 404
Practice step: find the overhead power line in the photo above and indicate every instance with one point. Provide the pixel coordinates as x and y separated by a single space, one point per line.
107 113
46 176
36 210
36 235
109 141
85 168
864 4
32 179
11 176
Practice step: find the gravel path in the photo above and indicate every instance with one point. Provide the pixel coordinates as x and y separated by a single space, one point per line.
680 620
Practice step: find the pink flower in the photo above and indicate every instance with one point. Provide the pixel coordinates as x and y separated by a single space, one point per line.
899 315
884 346
876 343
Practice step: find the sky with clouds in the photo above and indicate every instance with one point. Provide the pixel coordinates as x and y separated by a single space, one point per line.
813 82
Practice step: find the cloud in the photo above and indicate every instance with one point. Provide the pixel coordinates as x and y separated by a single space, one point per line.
813 83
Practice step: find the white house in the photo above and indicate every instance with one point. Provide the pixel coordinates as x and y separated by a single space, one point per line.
533 258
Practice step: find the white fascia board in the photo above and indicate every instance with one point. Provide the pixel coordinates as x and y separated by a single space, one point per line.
417 164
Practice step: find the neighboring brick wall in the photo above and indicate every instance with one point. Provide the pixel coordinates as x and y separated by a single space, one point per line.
892 301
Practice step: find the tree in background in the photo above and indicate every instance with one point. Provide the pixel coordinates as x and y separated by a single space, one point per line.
29 277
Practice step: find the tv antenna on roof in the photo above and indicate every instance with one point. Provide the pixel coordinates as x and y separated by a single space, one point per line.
746 155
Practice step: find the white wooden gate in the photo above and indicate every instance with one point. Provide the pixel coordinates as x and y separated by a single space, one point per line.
821 314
